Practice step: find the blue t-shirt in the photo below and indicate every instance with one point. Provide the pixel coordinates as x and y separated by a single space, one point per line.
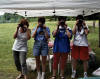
40 36
62 42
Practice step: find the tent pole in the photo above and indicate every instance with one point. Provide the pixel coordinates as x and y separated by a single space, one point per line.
54 14
25 15
94 24
99 33
15 16
83 12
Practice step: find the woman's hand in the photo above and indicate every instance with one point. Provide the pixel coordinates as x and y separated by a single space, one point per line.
65 26
44 26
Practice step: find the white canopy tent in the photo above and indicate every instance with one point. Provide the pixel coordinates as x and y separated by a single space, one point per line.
58 12
34 8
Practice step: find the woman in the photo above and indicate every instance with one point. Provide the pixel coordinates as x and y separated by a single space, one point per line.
80 45
61 46
21 36
41 34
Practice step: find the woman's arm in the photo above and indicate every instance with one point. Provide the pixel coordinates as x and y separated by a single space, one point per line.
68 33
54 33
33 35
74 28
15 34
86 31
47 34
28 34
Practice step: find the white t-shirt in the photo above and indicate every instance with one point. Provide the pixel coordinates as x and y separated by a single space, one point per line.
80 38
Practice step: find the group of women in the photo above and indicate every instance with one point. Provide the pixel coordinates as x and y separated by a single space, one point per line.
61 48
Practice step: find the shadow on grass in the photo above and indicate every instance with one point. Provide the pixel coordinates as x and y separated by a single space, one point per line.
68 71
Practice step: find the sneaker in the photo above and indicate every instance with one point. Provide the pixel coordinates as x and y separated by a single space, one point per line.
39 76
85 75
62 77
53 77
20 76
42 77
73 74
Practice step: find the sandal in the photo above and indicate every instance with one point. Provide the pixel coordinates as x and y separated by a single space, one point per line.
53 77
20 76
62 77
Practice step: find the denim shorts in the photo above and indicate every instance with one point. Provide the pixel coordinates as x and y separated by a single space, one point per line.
40 48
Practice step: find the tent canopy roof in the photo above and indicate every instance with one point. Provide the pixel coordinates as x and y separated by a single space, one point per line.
50 7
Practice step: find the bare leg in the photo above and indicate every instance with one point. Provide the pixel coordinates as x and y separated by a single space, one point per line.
55 63
54 72
63 61
25 76
74 64
85 64
38 63
43 66
38 66
44 63
20 75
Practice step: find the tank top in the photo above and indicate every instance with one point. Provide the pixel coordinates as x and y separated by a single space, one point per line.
20 43
80 38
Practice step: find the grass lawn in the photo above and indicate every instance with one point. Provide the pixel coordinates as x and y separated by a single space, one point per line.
7 67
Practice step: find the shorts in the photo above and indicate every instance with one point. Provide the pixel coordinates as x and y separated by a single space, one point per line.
80 52
59 58
40 48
